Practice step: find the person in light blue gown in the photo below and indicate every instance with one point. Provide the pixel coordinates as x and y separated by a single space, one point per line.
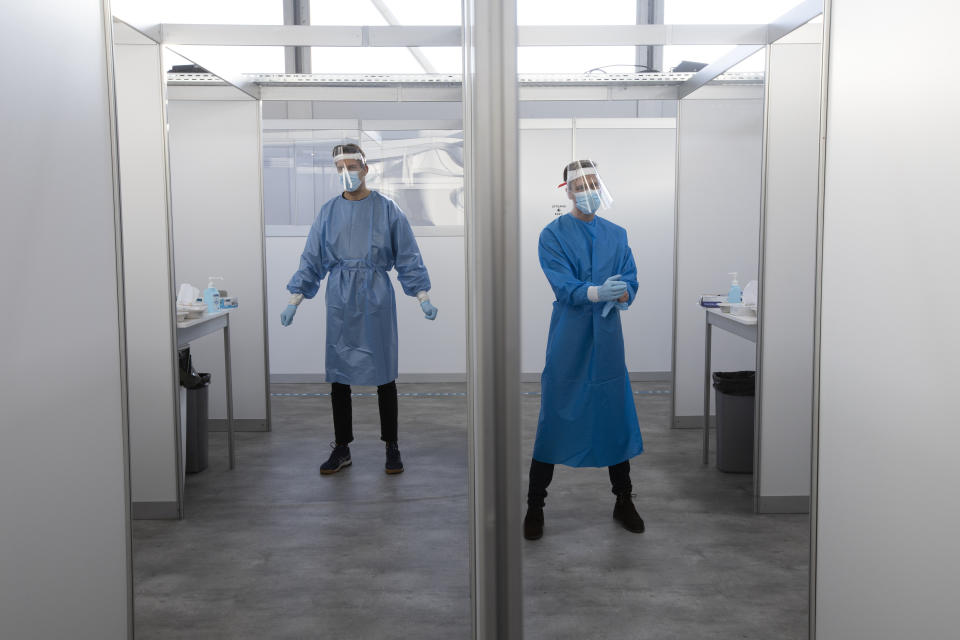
587 413
356 239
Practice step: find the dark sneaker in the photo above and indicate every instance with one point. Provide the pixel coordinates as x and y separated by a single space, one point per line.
626 514
339 459
533 523
394 463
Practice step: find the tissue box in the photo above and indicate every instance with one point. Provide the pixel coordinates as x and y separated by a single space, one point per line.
230 302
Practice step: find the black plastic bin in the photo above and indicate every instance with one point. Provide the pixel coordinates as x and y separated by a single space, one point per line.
198 385
735 418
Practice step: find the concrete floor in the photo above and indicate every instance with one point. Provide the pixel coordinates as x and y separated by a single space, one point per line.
274 550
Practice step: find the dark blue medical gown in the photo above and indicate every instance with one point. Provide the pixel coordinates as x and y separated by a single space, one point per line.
354 243
587 415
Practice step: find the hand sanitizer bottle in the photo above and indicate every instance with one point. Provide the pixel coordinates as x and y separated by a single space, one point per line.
211 296
734 297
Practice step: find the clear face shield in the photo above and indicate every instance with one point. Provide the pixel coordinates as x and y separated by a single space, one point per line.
350 169
587 189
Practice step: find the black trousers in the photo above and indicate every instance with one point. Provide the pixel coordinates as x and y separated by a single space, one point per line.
343 412
541 473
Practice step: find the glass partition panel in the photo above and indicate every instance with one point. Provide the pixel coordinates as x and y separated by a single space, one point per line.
725 12
576 60
576 12
420 170
202 12
385 60
234 59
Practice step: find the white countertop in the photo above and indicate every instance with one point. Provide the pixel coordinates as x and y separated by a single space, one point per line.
744 320
206 317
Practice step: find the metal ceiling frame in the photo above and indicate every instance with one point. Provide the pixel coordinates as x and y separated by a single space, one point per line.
650 12
451 35
297 59
788 22
391 19
747 40
218 68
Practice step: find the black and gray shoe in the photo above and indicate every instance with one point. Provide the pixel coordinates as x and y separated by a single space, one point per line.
626 514
339 459
394 464
533 523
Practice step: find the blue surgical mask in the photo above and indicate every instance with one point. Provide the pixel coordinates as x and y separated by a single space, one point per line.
351 180
588 201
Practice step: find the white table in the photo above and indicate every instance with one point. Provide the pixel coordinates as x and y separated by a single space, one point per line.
190 330
742 326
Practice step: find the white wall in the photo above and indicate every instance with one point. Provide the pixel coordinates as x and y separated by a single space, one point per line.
148 276
218 231
789 269
64 532
718 220
637 162
638 166
887 516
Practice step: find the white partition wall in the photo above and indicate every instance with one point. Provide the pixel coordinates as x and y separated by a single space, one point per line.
151 341
789 260
64 532
887 565
718 220
215 153
637 160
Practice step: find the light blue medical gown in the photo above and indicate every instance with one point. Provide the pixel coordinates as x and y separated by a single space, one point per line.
587 415
354 243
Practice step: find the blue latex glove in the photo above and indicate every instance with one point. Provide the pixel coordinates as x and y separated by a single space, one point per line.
287 316
621 306
611 289
429 310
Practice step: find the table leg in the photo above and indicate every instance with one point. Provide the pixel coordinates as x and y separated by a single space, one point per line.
706 391
228 377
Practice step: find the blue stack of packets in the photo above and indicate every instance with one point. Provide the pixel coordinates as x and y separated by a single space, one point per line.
711 301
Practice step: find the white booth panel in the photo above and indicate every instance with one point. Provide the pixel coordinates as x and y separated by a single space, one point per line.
789 274
718 222
64 532
543 153
637 165
428 350
887 516
297 351
218 231
147 275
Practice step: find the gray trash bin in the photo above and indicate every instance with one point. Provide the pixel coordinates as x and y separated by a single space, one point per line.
197 429
198 385
735 416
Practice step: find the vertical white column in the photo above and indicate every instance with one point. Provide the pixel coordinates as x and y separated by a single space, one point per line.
64 532
887 519
493 314
155 464
788 272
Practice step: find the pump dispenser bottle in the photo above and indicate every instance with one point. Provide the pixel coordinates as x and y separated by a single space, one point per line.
735 295
211 296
